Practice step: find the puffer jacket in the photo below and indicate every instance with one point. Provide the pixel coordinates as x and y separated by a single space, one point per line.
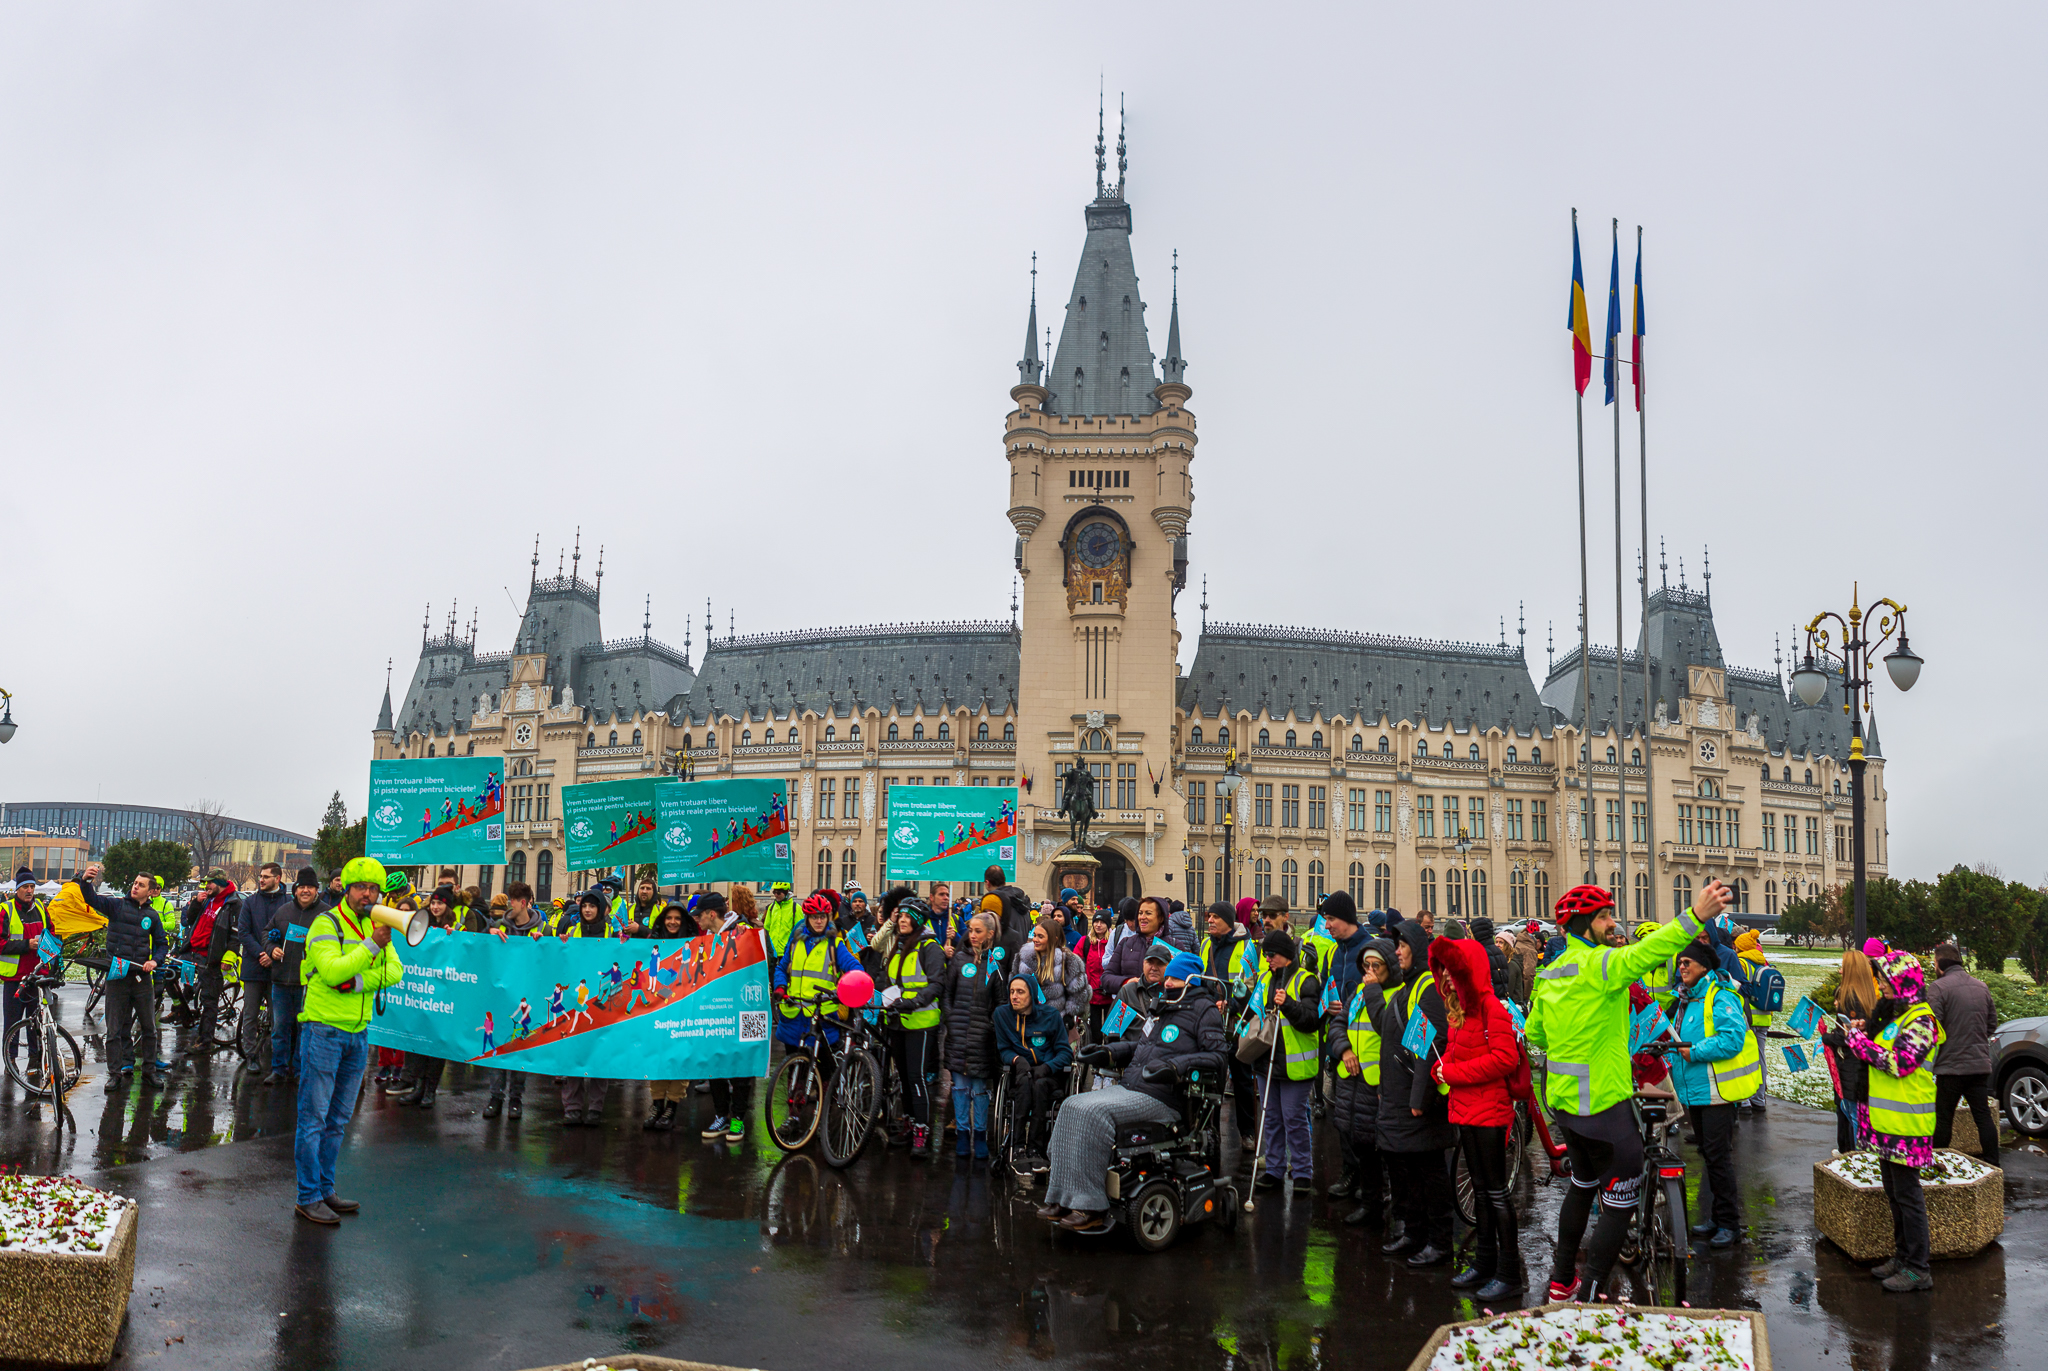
1180 930
1694 1079
1090 952
1064 985
252 928
971 993
1125 962
1037 1035
1188 1032
1354 1102
135 932
1482 1052
1405 1082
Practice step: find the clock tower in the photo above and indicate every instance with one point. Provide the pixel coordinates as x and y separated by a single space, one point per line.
1099 447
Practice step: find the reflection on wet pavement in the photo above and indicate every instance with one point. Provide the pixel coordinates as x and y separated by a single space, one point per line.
508 1243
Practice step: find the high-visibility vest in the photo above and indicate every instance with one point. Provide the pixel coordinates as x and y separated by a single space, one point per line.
17 927
1325 948
1298 1048
1411 996
1365 1041
1903 1106
1244 962
1742 1075
906 973
811 975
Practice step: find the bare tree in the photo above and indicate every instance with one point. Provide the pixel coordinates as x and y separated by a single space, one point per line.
207 832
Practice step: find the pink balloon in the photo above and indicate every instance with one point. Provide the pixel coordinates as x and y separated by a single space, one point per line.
856 988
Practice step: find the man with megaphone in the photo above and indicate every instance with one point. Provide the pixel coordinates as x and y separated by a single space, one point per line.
349 958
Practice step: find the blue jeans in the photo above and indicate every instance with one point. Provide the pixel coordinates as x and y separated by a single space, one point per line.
284 1026
330 1073
970 1091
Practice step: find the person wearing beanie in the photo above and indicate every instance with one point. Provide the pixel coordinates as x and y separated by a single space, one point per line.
1716 1066
1351 1047
1963 1007
1230 967
258 951
1286 1075
286 934
1414 1129
20 930
1347 939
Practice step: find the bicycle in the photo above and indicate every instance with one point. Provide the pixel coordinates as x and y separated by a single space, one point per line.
796 1094
862 1093
54 1061
1658 1244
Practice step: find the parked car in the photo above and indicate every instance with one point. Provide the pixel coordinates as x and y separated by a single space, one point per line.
2019 1073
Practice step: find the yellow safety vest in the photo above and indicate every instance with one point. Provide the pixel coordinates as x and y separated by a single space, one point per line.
17 927
1245 970
906 973
1742 1075
1299 1049
810 974
1903 1106
1365 1041
1411 996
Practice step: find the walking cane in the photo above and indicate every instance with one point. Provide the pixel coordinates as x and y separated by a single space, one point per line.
1259 1156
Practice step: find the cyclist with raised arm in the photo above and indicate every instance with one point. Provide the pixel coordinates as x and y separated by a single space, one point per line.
1579 1017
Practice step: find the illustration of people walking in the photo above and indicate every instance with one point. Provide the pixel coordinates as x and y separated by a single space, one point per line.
582 1006
555 1010
490 1038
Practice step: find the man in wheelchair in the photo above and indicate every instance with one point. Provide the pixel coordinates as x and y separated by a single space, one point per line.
1032 1042
1184 1034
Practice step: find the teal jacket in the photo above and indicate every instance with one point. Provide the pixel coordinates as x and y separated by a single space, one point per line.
1692 1080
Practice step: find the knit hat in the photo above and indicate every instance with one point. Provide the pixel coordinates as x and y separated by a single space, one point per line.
1222 911
992 904
1383 948
1162 951
24 877
1278 943
1451 928
1377 919
1068 893
1747 940
306 876
712 900
1340 905
1901 970
1874 948
1184 967
1482 929
1699 950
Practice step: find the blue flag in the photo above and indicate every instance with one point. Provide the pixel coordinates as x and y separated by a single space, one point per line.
1515 1013
1419 1036
1805 1017
118 968
49 947
857 936
1120 1019
1795 1057
1332 998
1645 1026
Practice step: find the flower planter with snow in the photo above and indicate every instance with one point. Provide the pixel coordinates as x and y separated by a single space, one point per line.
67 1261
1965 1205
1617 1335
1964 1139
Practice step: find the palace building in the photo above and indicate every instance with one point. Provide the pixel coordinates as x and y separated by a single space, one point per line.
1413 773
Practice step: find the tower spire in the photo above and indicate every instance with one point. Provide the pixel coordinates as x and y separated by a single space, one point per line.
535 576
600 573
1521 628
1174 367
1205 602
426 625
384 712
1663 566
1707 570
647 620
576 557
1122 162
1101 149
1013 602
1031 368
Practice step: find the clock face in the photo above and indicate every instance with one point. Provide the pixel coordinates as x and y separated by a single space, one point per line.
1707 752
1098 545
524 734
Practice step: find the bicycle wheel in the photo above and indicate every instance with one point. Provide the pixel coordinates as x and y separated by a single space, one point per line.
1519 1133
95 989
228 1023
60 1062
1464 1192
852 1102
795 1101
1673 1245
999 1123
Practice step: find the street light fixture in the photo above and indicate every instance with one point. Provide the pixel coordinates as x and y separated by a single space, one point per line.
1226 790
1852 663
7 724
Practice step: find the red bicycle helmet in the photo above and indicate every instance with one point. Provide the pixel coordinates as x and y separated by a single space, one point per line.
818 904
1586 900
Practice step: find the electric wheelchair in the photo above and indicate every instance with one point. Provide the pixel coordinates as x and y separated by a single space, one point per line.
1168 1176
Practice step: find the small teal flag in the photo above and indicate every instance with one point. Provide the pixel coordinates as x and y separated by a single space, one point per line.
1795 1057
1515 1013
1420 1035
1805 1017
1645 1026
857 936
1119 1021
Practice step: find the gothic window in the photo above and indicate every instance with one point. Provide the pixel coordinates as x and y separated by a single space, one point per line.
1788 775
916 732
515 870
1474 752
470 751
615 738
430 749
1511 752
1536 756
636 738
853 734
1383 744
1635 756
945 733
590 740
1315 740
1838 780
1195 735
892 733
1447 748
981 733
1809 775
831 733
746 737
1290 737
1357 742
1223 737
1610 756
1009 733
1124 391
1265 738
1422 747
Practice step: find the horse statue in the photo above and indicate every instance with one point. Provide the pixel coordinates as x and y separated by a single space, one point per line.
1077 802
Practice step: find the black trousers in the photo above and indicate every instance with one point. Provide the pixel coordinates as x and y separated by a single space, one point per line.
1422 1194
1367 1170
1909 1215
131 1021
1497 1250
731 1098
210 988
1715 1124
1606 1153
1977 1090
1031 1095
424 1069
1244 1099
912 1049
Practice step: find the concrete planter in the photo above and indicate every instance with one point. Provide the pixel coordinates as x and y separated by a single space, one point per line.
638 1361
66 1309
1964 1139
1962 1220
1760 1346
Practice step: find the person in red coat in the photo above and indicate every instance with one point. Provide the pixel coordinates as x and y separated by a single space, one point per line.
1481 1055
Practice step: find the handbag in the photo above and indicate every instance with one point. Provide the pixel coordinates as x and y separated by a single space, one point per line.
1258 1042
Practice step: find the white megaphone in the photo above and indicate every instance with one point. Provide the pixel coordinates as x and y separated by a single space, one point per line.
413 927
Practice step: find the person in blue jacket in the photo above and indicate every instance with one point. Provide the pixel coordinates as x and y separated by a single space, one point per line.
1032 1043
1715 1066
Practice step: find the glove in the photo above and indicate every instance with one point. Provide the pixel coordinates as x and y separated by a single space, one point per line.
1160 1071
1094 1053
781 992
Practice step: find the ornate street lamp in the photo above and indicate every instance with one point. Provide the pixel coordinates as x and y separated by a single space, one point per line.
1226 790
7 724
1852 664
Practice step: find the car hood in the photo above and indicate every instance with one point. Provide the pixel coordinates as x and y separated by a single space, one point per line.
2034 1025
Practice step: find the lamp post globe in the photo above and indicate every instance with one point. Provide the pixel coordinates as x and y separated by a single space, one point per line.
1809 682
1902 664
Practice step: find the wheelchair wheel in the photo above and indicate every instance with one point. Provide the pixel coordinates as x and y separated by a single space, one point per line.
794 1102
852 1101
1154 1217
999 1123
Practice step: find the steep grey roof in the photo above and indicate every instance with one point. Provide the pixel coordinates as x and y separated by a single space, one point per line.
1245 666
1104 362
632 674
836 670
384 711
446 683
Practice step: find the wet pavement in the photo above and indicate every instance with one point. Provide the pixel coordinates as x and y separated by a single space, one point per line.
502 1243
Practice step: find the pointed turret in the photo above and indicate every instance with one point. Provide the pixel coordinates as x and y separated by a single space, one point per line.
1104 365
1174 390
1031 369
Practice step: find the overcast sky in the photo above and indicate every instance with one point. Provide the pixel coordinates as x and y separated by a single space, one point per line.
308 319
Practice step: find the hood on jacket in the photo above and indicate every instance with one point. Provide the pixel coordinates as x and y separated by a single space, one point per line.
1418 940
1465 963
1037 986
1384 947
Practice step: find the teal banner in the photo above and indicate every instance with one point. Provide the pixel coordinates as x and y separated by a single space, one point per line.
431 810
644 1009
736 830
951 832
609 823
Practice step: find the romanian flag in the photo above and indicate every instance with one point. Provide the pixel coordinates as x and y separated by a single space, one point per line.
1576 319
1613 362
1636 344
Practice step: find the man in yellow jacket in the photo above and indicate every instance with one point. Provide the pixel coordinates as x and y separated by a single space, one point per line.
348 960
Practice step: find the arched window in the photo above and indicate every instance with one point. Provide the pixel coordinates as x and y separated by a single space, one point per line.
1812 891
430 749
945 733
1770 897
1197 882
1429 890
1610 756
892 733
544 875
1290 883
1511 753
1681 894
1265 738
1290 737
1358 742
686 742
853 734
1009 733
1318 885
1585 754
1262 879
1767 773
636 736
1357 884
916 732
615 739
1095 741
1195 735
1454 891
1809 775
1838 779
1479 895
515 870
1474 752
1518 894
831 735
1382 886
746 737
1642 905
1536 756
849 868
1448 751
1540 891
470 751
1315 740
1384 746
981 733
710 738
1635 756
1741 895
824 867
1422 747
1222 737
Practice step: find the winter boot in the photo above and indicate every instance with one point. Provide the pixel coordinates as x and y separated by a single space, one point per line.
981 1144
920 1140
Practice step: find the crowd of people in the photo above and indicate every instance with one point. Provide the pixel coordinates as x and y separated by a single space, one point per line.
1419 1039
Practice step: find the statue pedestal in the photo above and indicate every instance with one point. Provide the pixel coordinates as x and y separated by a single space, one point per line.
1077 871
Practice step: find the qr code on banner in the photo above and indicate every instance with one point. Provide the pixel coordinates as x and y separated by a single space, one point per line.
753 1025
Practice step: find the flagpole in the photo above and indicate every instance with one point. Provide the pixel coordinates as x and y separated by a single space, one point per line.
1621 895
1640 332
1585 633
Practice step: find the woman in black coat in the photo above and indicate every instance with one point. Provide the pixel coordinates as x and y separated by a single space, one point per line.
1413 1126
1355 1094
975 979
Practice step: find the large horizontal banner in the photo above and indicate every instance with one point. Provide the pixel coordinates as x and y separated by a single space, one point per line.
951 832
735 830
644 1009
609 823
437 809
